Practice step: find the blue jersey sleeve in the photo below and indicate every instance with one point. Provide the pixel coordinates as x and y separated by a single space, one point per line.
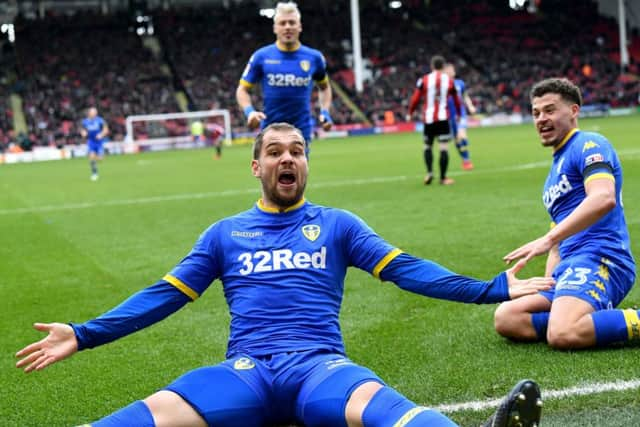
321 69
365 249
596 158
253 71
199 268
142 309
432 280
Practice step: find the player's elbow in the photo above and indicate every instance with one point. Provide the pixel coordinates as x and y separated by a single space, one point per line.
606 202
610 202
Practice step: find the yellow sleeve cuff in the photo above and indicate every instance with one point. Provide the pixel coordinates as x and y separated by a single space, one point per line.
182 287
384 262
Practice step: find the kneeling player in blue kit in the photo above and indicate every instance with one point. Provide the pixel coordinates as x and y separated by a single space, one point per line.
588 246
282 265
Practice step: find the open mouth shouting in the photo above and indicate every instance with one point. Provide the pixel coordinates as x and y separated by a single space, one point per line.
287 178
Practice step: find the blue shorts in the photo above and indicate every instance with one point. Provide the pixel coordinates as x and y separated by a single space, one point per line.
298 387
95 147
455 125
597 280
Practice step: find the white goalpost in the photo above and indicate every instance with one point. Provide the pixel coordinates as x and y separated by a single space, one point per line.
174 129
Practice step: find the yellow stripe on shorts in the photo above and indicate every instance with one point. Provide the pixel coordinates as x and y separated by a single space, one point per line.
633 323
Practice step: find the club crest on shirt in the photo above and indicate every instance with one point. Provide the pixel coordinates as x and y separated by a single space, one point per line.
305 65
243 364
311 231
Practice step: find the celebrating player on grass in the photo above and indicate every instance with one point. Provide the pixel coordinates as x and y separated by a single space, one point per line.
282 265
588 245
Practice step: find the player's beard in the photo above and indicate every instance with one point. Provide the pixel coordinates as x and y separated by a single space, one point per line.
281 199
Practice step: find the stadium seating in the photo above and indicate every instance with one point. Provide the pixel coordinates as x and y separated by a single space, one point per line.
90 58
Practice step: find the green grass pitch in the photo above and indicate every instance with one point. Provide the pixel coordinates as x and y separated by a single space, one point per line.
72 248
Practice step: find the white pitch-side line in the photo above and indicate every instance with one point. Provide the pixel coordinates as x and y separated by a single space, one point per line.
226 193
189 196
580 390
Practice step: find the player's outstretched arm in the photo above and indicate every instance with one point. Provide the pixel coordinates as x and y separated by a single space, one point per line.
427 278
601 198
59 344
521 287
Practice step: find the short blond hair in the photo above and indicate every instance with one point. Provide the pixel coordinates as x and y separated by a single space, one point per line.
286 8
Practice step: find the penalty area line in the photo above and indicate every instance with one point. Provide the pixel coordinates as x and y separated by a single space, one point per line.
578 390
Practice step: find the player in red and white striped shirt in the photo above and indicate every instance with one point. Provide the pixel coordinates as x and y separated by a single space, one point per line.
435 87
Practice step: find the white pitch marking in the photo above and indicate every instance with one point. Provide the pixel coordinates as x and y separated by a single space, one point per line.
579 390
226 193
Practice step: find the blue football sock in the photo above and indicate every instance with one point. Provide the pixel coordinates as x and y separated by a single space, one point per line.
616 326
389 408
540 322
463 149
135 415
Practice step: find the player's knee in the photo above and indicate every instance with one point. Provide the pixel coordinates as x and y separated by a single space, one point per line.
561 339
168 407
503 320
567 337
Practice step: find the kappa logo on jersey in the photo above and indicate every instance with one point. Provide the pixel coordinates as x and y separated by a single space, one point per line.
243 364
246 234
594 158
589 144
311 231
555 191
281 259
287 80
305 65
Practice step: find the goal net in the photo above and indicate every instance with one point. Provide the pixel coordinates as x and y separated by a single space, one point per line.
179 130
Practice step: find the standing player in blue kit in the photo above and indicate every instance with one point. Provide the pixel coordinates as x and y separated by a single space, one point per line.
287 71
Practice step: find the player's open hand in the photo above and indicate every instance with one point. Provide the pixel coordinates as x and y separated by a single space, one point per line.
254 118
59 344
534 248
521 287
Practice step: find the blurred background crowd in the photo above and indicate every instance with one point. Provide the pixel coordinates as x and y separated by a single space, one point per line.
191 58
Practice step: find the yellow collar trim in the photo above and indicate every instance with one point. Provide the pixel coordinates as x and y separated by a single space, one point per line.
264 208
566 138
282 47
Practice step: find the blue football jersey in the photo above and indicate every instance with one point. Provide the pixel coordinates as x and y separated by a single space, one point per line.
460 88
287 79
282 274
93 126
583 156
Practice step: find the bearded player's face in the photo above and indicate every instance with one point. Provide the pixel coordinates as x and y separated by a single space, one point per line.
282 168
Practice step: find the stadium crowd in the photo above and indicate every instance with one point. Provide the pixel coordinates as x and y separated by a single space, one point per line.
92 59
